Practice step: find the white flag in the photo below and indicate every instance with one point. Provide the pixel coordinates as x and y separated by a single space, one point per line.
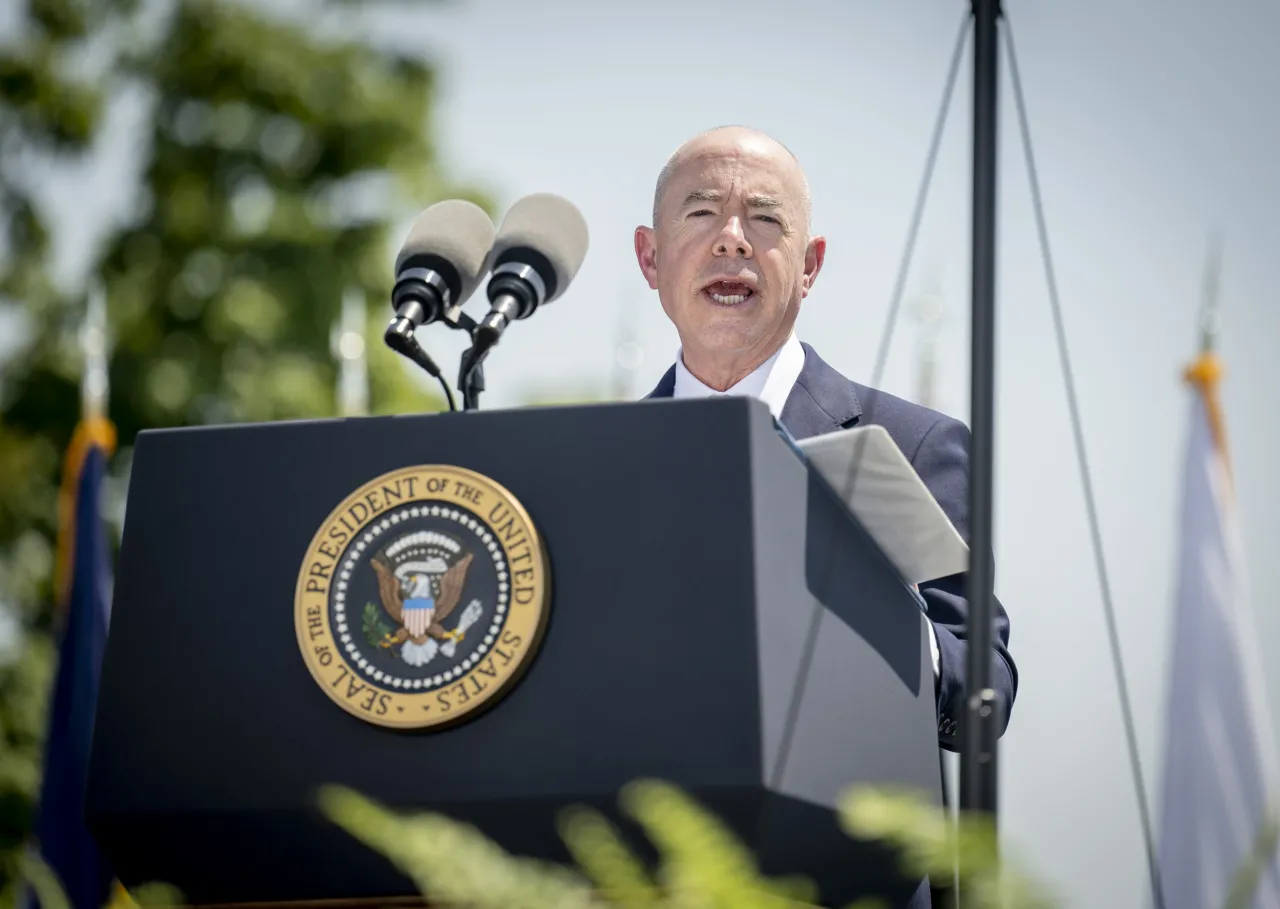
1220 768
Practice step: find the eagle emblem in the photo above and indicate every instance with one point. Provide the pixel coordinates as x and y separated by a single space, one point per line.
408 610
421 577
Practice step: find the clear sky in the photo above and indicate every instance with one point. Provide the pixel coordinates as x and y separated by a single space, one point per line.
1155 123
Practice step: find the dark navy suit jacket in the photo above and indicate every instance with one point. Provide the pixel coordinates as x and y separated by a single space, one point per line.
937 446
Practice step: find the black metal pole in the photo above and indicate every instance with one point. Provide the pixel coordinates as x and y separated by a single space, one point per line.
982 712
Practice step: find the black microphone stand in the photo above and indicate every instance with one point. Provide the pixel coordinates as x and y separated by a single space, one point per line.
983 712
471 375
471 367
515 291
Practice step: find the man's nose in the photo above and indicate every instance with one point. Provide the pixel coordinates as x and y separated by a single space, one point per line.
732 240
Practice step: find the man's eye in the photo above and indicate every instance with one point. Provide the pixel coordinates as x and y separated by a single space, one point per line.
770 218
701 211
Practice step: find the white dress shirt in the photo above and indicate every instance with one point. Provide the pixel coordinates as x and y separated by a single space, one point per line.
771 382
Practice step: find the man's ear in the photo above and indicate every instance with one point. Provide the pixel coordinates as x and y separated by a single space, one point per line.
814 255
647 255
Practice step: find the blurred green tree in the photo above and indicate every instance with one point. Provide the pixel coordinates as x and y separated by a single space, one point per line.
281 154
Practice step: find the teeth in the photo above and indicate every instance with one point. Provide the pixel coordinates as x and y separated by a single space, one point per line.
729 299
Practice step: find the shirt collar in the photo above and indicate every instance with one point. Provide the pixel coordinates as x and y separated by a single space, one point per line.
771 381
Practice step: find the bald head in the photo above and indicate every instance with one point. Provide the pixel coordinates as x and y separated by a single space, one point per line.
730 251
734 140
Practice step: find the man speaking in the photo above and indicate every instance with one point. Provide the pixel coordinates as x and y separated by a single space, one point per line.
731 256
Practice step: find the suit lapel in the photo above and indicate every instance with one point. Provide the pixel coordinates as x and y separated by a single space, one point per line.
666 385
821 401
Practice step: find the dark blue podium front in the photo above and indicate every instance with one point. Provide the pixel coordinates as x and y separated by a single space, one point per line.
694 559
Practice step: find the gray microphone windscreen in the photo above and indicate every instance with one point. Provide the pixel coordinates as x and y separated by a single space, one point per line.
454 238
551 226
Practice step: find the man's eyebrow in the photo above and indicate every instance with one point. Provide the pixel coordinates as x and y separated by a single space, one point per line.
703 195
755 200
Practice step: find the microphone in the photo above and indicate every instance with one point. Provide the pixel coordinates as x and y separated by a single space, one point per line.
439 265
537 253
438 268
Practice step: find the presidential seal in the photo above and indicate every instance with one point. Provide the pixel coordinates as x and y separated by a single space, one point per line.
422 598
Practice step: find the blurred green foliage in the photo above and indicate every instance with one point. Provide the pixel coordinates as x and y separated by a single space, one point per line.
278 159
43 881
24 686
700 861
1248 877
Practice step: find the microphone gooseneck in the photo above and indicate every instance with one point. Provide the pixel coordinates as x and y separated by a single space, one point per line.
537 253
515 291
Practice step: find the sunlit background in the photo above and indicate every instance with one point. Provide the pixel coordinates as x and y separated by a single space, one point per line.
1155 128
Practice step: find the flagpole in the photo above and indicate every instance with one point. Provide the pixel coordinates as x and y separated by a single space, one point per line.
351 350
1209 319
928 313
628 355
978 778
1206 371
93 345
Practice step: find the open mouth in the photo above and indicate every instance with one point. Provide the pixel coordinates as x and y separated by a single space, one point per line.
728 293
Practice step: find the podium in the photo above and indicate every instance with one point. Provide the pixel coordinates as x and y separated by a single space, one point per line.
713 617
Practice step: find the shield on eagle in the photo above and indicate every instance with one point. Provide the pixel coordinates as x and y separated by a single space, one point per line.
419 590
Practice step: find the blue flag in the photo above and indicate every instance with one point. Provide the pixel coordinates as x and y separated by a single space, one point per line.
62 837
1221 779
